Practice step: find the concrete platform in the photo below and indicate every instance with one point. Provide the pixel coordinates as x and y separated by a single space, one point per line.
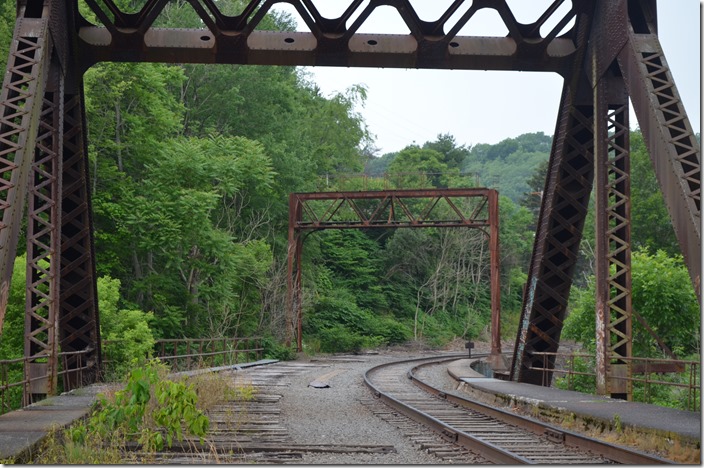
21 431
594 409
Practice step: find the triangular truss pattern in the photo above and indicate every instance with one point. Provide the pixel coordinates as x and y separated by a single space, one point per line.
476 208
393 208
238 36
585 41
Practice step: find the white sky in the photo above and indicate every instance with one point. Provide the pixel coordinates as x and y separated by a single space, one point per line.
407 105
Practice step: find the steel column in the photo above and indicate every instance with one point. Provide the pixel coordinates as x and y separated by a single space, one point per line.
298 299
290 257
21 100
78 321
493 202
294 306
613 238
568 185
559 232
44 244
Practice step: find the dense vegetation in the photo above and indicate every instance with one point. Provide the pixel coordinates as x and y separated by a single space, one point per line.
191 167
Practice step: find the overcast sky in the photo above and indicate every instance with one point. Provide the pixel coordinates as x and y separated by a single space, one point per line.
407 105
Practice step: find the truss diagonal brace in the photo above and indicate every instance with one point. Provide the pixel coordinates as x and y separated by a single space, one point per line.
21 101
563 211
671 142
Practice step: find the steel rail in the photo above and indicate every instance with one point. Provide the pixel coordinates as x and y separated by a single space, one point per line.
488 450
558 434
572 439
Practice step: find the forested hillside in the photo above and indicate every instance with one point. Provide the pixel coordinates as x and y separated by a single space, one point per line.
190 171
505 166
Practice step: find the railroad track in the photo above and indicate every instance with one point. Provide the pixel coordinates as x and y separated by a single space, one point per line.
252 430
497 435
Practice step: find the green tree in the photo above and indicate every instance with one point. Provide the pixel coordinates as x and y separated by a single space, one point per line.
7 25
453 155
415 167
651 225
205 260
532 199
12 333
126 334
131 109
355 262
378 166
509 164
662 295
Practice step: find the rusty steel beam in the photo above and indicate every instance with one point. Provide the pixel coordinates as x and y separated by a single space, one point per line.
237 38
563 210
293 253
613 239
79 322
21 98
43 245
61 308
668 134
556 249
393 209
613 310
495 276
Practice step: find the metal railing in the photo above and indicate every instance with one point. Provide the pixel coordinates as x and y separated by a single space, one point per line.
649 370
16 384
190 353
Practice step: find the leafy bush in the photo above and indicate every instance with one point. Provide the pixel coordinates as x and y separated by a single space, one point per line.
150 408
276 350
579 383
129 330
341 325
388 328
338 339
434 329
662 294
12 333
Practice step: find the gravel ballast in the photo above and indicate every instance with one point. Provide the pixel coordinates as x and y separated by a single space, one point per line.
343 412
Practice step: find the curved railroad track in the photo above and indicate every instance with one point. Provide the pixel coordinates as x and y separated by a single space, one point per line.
497 435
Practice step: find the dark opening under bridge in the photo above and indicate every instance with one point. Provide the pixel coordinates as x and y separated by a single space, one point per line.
608 52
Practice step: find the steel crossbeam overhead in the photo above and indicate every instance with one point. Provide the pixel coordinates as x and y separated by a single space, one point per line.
607 51
393 209
476 208
331 42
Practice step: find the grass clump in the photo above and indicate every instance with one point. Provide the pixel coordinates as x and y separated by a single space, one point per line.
150 413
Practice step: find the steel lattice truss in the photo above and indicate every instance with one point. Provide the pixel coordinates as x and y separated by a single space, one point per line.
476 208
392 209
606 50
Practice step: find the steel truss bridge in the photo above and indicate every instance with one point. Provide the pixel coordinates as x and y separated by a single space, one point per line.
607 51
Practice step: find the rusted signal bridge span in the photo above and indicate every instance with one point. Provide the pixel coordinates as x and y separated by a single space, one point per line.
476 208
607 51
